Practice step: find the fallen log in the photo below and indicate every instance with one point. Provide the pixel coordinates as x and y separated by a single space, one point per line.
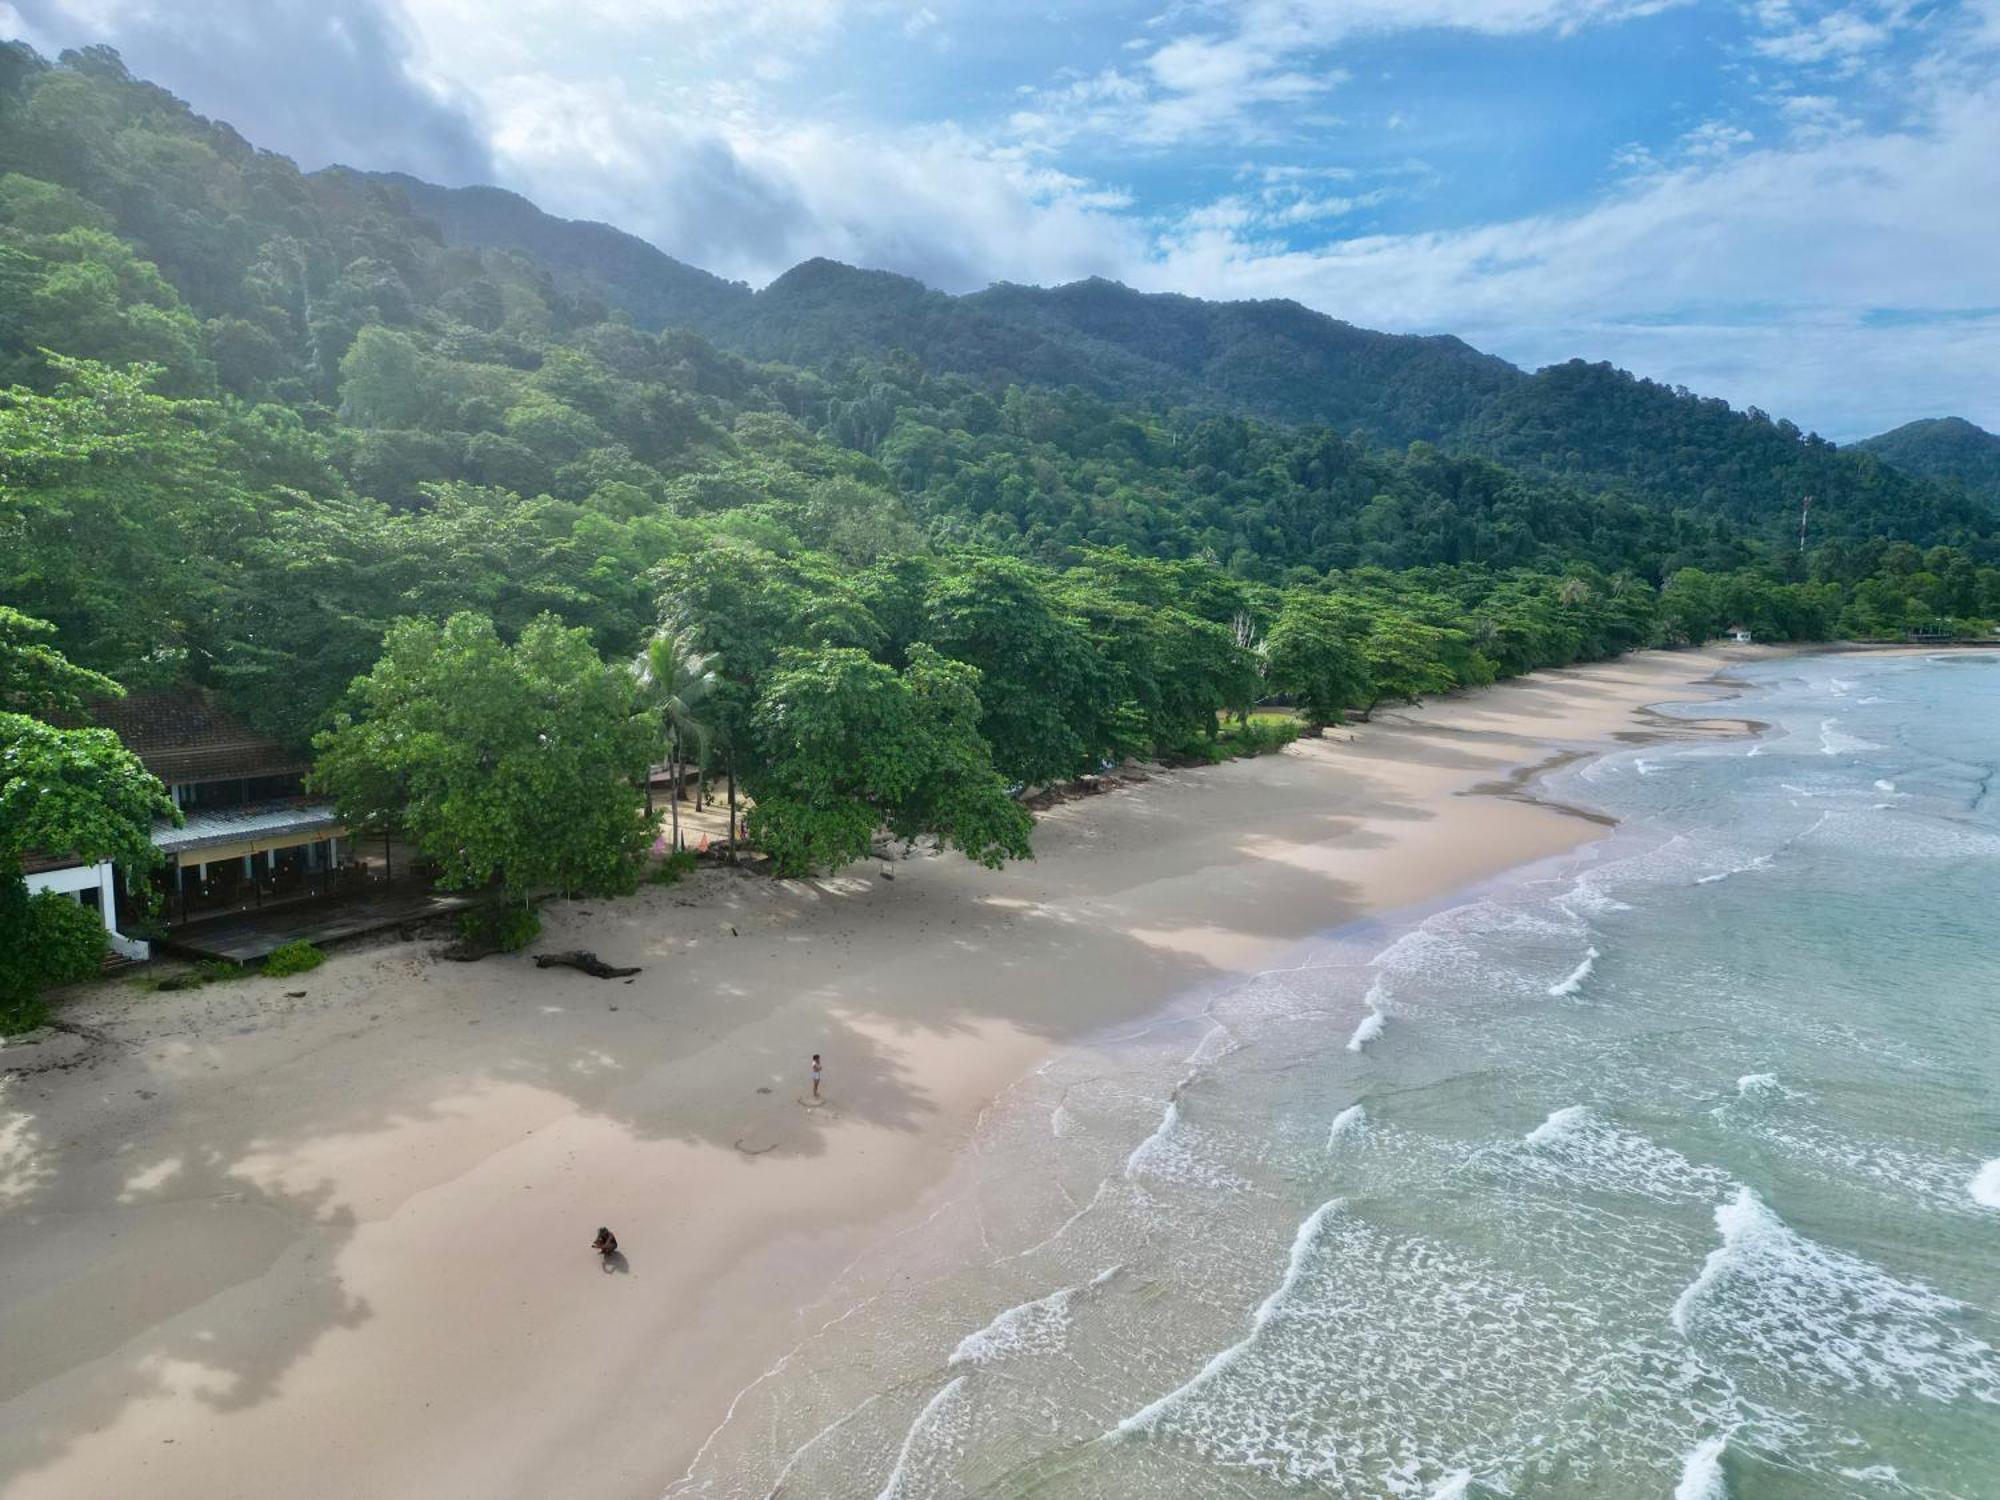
584 962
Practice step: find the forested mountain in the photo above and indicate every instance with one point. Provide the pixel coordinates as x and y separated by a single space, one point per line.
1943 448
1580 423
259 415
653 288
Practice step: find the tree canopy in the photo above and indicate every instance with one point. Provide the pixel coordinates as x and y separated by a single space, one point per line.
512 765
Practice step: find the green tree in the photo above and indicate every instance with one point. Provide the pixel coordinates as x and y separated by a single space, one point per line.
517 766
675 681
35 678
1047 698
75 793
849 747
1405 660
1310 654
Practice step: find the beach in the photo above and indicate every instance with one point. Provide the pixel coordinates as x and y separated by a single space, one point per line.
328 1235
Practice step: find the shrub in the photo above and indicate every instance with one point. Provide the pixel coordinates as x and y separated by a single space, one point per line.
61 941
500 929
671 869
293 958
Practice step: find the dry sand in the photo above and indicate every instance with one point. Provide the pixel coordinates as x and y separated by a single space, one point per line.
336 1245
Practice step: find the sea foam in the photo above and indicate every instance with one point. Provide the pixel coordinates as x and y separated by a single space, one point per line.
1037 1327
929 1445
1580 1146
1148 1417
1350 1121
1799 1311
1564 988
1832 741
1701 1475
1985 1185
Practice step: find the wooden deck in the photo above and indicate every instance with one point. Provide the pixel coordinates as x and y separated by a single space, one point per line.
244 937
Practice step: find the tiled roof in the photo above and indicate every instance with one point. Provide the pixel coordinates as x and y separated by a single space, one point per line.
231 825
183 735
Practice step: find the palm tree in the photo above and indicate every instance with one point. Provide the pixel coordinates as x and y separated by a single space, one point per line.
676 680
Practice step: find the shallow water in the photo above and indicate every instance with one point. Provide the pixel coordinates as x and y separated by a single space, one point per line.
1669 1169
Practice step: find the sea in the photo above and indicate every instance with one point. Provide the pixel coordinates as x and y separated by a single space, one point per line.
1670 1168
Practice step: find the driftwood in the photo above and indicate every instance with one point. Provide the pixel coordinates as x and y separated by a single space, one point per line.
584 962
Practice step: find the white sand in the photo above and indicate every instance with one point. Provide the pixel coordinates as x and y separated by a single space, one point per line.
337 1245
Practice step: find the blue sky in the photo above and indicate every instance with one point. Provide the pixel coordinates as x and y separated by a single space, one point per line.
1787 203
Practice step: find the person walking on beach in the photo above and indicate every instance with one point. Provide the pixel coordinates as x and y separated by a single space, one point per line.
815 1075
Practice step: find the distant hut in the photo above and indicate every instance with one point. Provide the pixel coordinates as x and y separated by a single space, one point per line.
1741 635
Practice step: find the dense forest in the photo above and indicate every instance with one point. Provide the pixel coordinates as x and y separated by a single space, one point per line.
1948 449
885 557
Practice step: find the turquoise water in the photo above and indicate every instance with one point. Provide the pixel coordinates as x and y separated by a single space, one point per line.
1665 1170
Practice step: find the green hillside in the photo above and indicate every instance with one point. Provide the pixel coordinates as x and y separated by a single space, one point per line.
1948 449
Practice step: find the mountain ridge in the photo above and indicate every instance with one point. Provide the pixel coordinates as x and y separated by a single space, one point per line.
1275 360
1943 449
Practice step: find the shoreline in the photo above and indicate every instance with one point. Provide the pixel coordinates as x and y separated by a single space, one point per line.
346 1255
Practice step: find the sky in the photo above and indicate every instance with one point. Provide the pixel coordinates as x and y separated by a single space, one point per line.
1790 204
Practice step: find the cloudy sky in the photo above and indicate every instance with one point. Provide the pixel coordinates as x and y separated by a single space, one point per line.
1788 203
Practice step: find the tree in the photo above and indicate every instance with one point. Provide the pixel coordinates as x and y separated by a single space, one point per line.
1045 693
848 746
513 766
1405 660
1310 654
675 680
66 792
36 678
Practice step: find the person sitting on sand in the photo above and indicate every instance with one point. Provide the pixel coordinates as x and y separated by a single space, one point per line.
606 1243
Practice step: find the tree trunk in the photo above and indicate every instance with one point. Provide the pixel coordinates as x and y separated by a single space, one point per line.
674 793
732 808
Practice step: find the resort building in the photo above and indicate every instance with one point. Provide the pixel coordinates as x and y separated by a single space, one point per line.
251 835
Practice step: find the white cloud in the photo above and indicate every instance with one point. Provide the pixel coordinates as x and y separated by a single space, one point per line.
749 198
1757 276
1267 53
1839 39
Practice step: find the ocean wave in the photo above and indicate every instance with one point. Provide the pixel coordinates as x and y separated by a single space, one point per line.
1761 862
1170 1154
1143 1153
1564 988
1369 1028
1791 1309
1216 1043
1885 786
931 1444
1038 1327
1350 1121
1582 1148
1985 1185
1833 741
1148 1417
1587 892
1701 1475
